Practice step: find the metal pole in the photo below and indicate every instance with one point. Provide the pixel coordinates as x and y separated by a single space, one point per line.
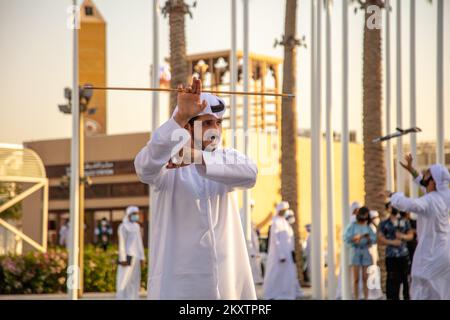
389 175
330 171
246 211
155 75
345 270
74 173
440 156
233 73
412 115
81 206
316 228
399 173
155 104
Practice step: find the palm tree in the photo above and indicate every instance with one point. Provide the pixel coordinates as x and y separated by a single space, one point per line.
177 9
289 169
374 169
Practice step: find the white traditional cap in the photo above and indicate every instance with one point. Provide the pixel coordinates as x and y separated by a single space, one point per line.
355 205
373 214
283 205
215 106
131 209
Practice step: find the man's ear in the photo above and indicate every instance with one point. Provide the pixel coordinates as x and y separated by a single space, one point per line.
188 126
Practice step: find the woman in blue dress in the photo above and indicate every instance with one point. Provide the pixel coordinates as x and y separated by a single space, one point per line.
360 237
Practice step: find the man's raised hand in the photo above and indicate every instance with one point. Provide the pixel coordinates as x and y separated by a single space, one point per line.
409 166
189 104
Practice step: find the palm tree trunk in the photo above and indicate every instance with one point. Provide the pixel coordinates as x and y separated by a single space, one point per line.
374 169
289 170
178 62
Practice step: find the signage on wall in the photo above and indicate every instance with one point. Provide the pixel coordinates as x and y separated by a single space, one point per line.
93 169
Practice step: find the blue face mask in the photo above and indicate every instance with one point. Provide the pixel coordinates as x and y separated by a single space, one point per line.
134 218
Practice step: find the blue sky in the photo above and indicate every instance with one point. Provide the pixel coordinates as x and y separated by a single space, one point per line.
35 61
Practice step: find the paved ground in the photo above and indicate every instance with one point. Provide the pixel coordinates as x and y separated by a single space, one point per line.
109 295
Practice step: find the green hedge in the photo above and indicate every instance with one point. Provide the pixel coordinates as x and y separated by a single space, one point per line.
37 272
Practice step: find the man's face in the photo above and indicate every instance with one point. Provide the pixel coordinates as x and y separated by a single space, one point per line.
211 131
431 185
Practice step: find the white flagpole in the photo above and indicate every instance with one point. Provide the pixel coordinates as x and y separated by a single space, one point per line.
246 193
233 73
155 103
73 285
329 146
389 163
399 173
316 227
345 270
440 156
413 101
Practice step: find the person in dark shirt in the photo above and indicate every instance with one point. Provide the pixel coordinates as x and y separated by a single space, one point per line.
394 232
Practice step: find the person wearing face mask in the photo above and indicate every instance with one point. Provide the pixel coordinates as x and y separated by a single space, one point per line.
253 249
197 248
103 233
430 272
281 275
290 218
359 236
354 207
131 256
394 232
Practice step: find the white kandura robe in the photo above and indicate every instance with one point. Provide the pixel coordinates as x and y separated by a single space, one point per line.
430 271
197 247
255 257
128 281
280 277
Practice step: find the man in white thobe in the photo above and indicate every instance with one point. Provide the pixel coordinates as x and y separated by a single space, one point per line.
430 273
64 234
197 247
131 255
374 278
281 275
253 248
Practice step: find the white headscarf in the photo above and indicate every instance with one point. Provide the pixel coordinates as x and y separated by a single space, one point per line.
126 221
215 106
355 205
441 177
373 214
283 205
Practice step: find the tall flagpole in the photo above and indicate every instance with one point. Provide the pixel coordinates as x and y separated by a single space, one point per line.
440 156
329 146
233 73
316 227
74 273
155 103
413 100
246 193
389 162
399 173
345 254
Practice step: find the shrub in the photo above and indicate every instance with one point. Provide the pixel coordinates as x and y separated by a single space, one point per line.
37 272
